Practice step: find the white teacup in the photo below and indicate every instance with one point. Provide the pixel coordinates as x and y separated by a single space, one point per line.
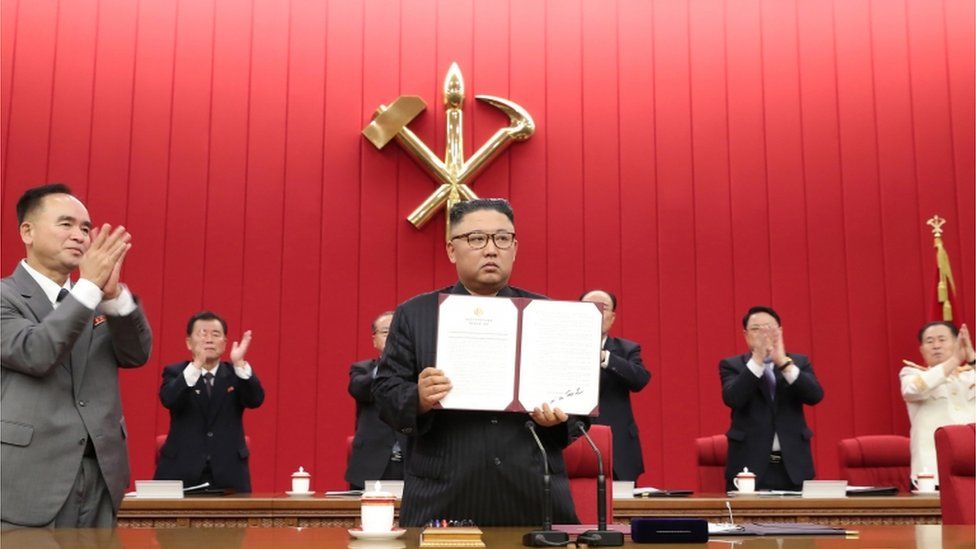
745 482
301 481
924 482
376 510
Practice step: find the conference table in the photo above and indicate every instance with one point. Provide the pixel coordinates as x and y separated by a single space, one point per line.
279 510
918 536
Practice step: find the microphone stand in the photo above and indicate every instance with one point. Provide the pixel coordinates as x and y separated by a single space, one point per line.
601 537
547 537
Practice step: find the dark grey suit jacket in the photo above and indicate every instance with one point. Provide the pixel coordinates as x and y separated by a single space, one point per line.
373 444
60 383
755 419
460 465
624 374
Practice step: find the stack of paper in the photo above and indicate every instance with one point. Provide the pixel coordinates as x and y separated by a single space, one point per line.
159 489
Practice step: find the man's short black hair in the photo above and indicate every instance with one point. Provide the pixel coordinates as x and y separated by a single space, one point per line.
205 315
465 207
31 199
760 309
951 326
613 298
379 316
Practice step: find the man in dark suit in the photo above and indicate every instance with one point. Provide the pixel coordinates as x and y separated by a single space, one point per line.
766 390
206 399
482 466
377 450
64 458
621 373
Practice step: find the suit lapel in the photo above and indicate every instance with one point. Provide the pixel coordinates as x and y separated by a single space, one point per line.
38 303
32 293
79 357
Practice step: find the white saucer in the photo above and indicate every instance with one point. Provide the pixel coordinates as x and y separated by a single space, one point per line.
392 534
300 494
376 544
921 493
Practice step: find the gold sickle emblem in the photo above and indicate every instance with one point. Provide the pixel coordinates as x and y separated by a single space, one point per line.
454 174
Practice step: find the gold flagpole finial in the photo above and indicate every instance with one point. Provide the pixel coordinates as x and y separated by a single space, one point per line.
936 223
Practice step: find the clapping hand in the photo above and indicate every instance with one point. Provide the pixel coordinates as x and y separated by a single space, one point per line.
778 353
964 349
238 350
102 262
763 345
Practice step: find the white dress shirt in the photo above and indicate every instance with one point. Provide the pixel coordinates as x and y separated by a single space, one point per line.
84 291
192 372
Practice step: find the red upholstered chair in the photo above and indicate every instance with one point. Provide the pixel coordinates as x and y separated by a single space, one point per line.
581 468
712 453
955 448
876 460
161 439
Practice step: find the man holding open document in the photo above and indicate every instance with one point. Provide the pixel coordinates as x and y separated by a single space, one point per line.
471 455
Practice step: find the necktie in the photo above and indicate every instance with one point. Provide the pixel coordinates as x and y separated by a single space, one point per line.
208 380
770 378
61 295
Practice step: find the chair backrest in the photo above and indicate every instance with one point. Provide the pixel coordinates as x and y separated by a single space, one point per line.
876 460
349 440
581 468
161 440
712 454
955 449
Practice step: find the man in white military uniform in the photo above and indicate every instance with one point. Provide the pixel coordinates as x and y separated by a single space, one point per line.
942 392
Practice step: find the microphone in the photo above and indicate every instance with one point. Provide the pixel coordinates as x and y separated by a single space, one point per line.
547 537
601 537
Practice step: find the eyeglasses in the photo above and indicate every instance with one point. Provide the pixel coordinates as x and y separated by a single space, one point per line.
478 240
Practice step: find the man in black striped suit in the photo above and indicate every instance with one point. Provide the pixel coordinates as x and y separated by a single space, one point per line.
482 466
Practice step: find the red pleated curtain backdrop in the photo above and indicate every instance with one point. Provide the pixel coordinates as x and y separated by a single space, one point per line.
695 157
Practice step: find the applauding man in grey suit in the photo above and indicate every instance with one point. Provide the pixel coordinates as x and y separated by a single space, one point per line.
64 458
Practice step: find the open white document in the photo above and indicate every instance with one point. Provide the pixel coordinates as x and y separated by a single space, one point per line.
514 354
476 346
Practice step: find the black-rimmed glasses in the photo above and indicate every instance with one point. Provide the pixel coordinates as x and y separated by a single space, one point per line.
478 239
